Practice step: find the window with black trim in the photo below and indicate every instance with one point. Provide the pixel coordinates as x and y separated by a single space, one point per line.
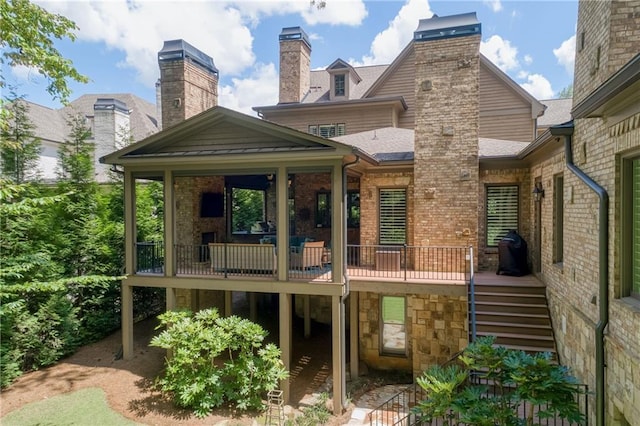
502 212
393 324
393 216
339 85
328 130
558 218
630 229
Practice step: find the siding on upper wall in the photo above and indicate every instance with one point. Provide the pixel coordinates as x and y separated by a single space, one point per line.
356 120
503 113
402 83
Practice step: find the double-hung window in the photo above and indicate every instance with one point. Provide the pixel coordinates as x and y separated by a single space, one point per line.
393 323
393 216
339 85
630 229
502 212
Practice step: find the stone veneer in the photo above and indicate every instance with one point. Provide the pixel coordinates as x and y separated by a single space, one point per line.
436 329
295 70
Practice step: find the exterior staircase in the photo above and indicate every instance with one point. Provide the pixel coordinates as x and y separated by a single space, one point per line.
515 311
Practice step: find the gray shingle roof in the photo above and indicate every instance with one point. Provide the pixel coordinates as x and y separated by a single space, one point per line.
558 111
396 144
51 124
320 83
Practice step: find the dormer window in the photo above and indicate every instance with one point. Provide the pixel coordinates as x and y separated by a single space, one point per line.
339 85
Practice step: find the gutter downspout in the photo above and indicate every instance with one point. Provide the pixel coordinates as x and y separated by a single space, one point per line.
566 130
343 313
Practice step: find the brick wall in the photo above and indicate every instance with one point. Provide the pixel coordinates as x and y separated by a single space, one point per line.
295 70
446 141
186 90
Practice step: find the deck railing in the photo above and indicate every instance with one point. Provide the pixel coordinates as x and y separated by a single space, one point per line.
408 262
390 263
398 410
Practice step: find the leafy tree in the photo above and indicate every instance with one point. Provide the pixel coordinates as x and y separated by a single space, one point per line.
216 361
460 394
248 208
19 147
76 154
566 93
27 34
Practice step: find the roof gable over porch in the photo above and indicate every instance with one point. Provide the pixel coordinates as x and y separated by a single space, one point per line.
220 135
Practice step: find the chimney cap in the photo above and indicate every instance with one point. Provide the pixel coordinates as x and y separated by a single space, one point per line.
441 27
176 50
294 33
105 104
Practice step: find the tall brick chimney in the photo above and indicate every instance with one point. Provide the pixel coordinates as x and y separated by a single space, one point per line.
111 131
295 64
446 130
607 37
188 82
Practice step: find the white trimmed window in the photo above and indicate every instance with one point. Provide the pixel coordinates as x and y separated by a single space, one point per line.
339 84
502 212
328 130
630 229
393 322
393 216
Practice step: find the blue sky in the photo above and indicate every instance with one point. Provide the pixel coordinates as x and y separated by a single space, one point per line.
117 43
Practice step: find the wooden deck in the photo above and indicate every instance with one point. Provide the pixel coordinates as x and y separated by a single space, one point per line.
490 277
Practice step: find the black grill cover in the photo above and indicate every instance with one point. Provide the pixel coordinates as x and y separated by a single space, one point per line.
512 255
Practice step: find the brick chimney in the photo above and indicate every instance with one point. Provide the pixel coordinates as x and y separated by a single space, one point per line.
295 64
188 82
111 131
446 130
607 37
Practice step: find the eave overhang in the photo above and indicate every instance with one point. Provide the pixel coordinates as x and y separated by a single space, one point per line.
397 101
627 79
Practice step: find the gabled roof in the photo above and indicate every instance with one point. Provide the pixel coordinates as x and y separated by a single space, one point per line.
320 83
222 133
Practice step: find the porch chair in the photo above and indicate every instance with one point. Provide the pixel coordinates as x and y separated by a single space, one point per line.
308 256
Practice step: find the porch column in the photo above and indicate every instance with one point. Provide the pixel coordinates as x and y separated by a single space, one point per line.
282 229
169 225
354 350
337 353
170 299
339 227
253 312
285 340
307 315
228 303
129 262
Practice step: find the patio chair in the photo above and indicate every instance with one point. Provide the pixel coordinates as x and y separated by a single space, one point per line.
309 256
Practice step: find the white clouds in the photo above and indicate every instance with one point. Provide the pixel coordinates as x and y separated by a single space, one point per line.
538 86
500 52
495 5
388 43
566 54
528 59
24 73
261 88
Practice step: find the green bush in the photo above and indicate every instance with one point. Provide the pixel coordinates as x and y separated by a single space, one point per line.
515 377
217 361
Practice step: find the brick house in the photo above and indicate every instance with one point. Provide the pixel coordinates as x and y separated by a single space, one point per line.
390 184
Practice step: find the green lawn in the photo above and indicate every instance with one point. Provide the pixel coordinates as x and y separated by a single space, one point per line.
83 407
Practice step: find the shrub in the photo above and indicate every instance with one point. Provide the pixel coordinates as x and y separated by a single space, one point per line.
461 394
217 361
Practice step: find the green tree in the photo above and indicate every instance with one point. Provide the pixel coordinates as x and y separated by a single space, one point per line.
27 35
566 93
76 154
19 147
217 361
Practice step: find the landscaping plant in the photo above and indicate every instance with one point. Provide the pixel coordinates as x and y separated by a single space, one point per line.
491 385
216 361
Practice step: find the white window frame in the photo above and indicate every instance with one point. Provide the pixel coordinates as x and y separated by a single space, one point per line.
395 326
502 204
392 219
